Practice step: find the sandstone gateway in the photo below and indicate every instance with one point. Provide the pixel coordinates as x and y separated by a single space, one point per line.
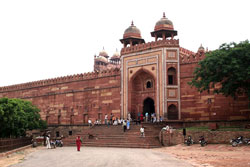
147 77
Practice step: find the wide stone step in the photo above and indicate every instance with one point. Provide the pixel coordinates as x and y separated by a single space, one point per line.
117 139
112 136
123 145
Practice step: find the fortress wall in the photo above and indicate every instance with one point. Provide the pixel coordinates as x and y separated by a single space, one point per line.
71 99
205 106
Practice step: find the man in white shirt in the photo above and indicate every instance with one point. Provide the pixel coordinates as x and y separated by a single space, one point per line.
142 131
106 119
90 122
48 142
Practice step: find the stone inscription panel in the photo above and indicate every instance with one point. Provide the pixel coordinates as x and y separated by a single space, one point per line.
171 55
172 93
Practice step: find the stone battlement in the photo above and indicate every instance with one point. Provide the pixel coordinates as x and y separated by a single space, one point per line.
69 78
151 45
187 56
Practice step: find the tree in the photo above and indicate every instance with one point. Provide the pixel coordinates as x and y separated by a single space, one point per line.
225 70
17 116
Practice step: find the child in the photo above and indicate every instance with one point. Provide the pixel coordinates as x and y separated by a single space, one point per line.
142 131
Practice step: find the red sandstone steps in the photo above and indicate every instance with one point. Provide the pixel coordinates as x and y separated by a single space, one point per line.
121 145
120 140
124 145
146 140
113 136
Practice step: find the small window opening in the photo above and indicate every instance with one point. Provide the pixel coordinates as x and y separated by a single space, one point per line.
149 84
59 119
170 80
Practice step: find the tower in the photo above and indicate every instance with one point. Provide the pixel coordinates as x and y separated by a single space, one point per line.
150 72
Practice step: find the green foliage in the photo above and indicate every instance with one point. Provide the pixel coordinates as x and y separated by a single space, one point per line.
225 70
17 116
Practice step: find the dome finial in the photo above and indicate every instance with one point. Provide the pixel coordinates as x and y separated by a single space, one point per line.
132 23
164 16
201 48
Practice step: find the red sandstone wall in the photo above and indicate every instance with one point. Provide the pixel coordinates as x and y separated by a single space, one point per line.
212 137
204 106
72 98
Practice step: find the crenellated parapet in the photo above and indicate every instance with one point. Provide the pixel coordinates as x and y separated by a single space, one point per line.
64 79
150 45
187 56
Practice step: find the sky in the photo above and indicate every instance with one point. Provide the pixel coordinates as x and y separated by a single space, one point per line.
41 39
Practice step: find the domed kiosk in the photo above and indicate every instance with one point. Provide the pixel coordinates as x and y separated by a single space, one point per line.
115 58
164 28
132 36
103 53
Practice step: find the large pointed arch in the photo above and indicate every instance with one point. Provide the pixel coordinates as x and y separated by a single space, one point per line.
141 86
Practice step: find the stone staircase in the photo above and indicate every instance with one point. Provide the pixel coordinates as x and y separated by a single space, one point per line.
113 136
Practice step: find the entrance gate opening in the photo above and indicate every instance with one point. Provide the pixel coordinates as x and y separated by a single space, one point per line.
148 106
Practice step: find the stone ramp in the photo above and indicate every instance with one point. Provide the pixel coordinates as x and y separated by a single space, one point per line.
113 136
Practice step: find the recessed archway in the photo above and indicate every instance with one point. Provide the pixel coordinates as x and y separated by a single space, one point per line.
142 85
172 79
172 112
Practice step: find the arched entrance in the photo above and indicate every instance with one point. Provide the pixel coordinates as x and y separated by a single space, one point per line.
172 112
148 106
142 92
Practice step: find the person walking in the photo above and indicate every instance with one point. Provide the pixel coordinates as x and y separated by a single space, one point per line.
128 124
78 143
138 116
129 116
106 119
111 118
141 117
124 124
142 131
146 116
90 122
48 141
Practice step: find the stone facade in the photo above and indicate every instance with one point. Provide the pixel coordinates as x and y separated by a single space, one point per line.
147 77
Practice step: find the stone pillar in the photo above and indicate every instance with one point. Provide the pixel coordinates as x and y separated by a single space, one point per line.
130 42
163 36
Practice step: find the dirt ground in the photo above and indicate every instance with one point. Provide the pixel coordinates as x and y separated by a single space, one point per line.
17 157
216 155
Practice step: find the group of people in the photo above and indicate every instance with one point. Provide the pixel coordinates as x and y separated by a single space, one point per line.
52 143
152 118
125 124
112 120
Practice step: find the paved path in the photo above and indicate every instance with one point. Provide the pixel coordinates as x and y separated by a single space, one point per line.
100 157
